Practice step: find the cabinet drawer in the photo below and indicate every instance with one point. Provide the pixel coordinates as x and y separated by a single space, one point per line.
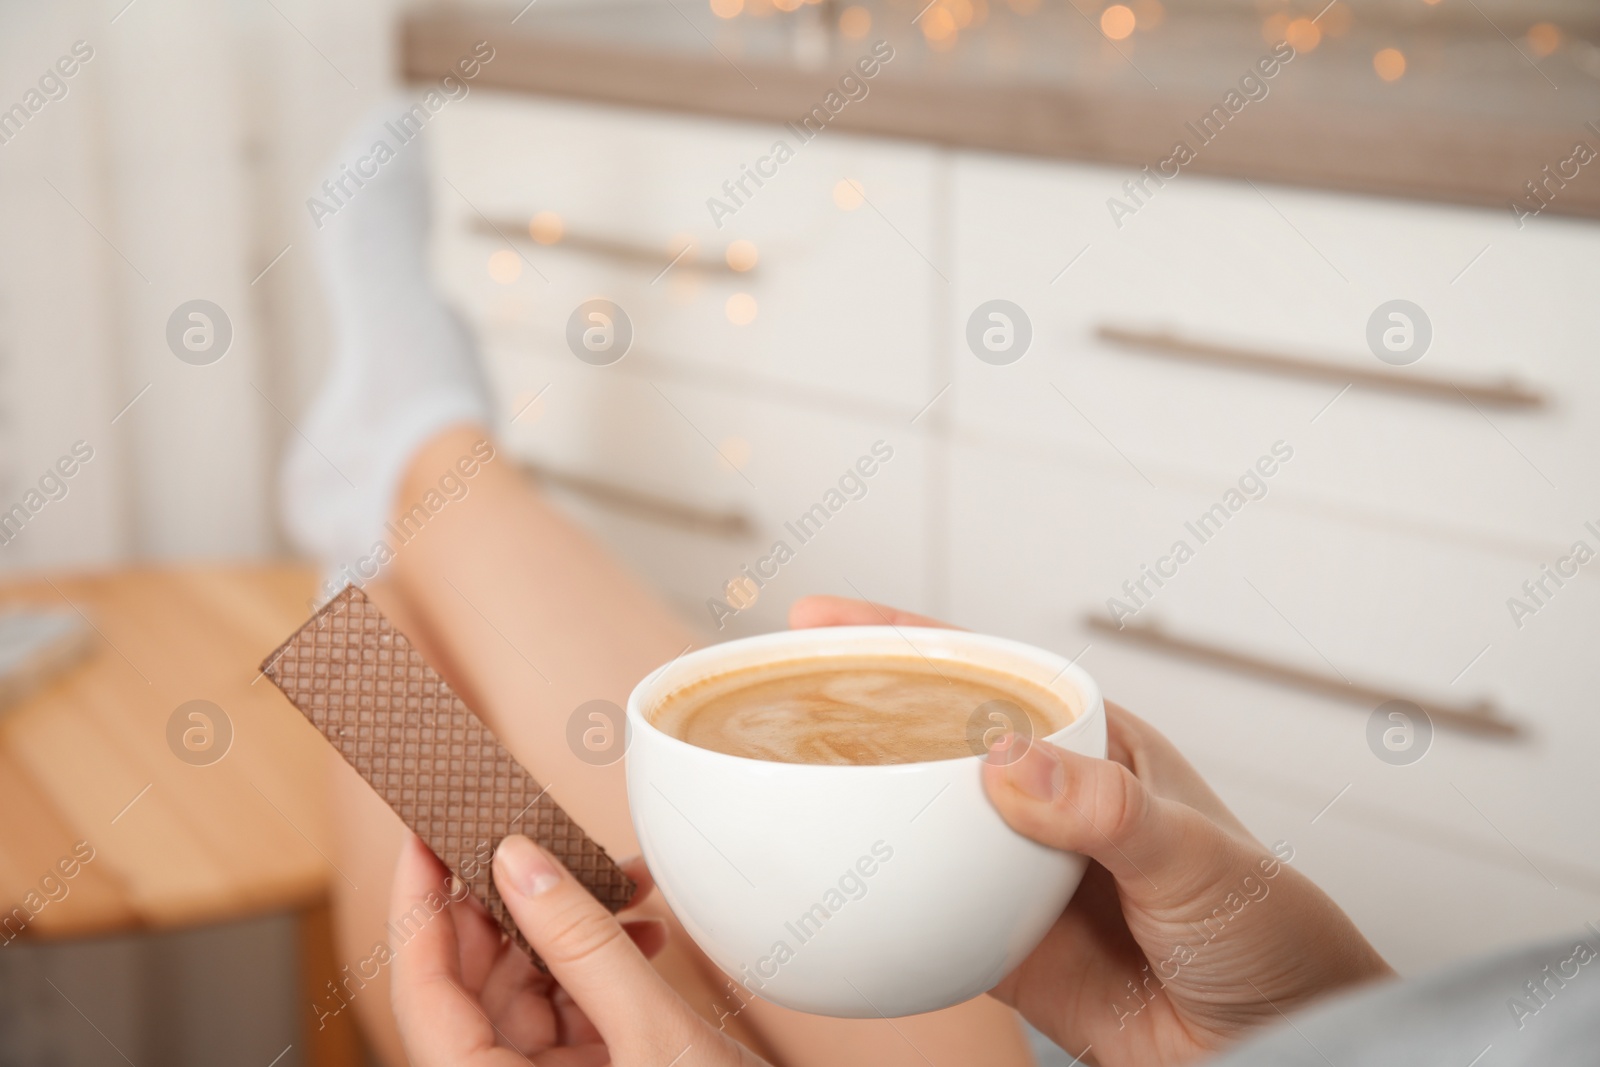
1217 263
842 299
1425 619
691 486
1422 905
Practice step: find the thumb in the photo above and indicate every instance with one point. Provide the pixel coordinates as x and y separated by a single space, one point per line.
1153 847
590 954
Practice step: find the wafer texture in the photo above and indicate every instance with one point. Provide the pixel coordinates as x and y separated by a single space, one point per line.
437 765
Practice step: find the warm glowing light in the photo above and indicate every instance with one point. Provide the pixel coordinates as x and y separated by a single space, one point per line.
938 24
726 9
505 266
1150 13
1275 28
1023 7
742 255
528 406
855 22
961 11
1390 63
1335 21
741 592
1303 34
682 245
741 309
736 450
1117 21
1543 38
546 227
848 194
788 5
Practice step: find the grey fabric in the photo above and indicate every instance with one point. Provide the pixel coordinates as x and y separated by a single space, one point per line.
1535 1006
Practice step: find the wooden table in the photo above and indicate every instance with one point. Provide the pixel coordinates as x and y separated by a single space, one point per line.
175 844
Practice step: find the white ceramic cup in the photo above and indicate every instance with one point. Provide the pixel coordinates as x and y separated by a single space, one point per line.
852 891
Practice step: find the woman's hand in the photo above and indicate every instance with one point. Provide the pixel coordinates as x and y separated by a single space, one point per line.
466 997
1186 931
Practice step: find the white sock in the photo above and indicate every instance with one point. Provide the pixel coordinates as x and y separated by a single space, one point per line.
404 365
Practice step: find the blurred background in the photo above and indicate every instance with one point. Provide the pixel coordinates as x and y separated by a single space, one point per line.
1373 271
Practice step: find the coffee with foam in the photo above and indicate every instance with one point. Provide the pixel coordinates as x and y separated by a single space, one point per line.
858 710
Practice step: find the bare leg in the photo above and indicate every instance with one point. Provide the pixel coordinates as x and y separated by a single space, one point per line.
528 618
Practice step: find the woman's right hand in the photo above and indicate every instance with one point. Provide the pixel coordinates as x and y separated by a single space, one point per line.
1186 932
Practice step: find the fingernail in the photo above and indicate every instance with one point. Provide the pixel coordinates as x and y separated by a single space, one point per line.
528 868
1038 774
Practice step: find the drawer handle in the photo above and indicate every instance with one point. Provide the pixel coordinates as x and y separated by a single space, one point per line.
1507 393
632 253
731 525
1482 718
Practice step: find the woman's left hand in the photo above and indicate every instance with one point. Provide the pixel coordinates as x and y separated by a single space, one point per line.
464 996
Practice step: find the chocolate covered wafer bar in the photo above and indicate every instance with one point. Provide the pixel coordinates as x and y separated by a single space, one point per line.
437 765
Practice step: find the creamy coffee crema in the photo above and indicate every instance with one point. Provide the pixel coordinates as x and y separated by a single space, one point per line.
856 710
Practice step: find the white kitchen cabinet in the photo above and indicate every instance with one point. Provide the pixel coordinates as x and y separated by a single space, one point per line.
842 298
1423 902
1038 543
672 450
691 453
1384 551
1296 273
